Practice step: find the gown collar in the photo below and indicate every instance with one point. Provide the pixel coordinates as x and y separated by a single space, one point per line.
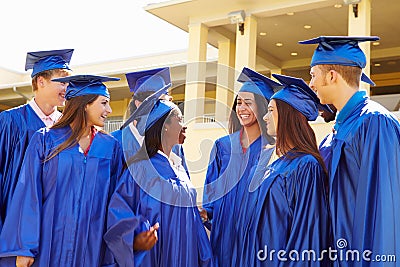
48 120
356 99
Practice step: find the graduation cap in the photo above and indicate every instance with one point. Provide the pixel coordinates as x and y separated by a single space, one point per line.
48 60
85 85
149 80
257 83
366 79
150 111
340 50
300 96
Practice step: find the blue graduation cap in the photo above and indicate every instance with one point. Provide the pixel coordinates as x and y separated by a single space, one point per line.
340 50
48 60
149 80
366 79
85 85
257 83
150 111
300 96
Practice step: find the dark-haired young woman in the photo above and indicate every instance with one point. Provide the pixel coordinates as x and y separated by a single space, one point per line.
289 224
58 212
153 216
232 160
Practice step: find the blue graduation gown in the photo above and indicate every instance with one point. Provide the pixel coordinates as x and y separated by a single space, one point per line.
226 186
325 149
364 174
288 211
58 211
131 146
128 141
17 125
151 191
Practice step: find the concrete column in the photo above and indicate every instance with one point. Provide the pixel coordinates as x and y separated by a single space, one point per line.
361 26
276 71
225 79
196 72
246 45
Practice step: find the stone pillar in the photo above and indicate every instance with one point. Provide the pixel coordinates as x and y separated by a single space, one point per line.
196 72
246 45
361 26
225 79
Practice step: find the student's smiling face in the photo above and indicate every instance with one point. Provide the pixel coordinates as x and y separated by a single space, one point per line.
271 118
97 112
246 109
320 84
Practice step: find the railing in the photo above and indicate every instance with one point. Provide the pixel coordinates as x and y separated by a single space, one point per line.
112 125
208 118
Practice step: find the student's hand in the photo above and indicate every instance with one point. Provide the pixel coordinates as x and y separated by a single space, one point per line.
147 239
203 215
23 261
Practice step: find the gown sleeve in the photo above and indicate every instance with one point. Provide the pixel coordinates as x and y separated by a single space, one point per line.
123 223
21 232
213 172
376 225
9 152
4 158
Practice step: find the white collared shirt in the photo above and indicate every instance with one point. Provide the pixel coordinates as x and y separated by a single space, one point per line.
48 120
175 162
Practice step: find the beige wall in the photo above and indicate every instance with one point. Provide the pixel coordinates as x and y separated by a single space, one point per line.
119 107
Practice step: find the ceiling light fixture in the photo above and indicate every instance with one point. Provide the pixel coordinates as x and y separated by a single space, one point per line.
290 13
307 27
293 54
376 43
279 44
263 33
337 6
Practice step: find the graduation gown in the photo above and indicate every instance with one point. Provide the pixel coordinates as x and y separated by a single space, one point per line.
289 212
151 191
364 176
131 146
58 212
226 186
17 126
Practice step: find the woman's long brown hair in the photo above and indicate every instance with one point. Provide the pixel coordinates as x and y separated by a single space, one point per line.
294 132
74 112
